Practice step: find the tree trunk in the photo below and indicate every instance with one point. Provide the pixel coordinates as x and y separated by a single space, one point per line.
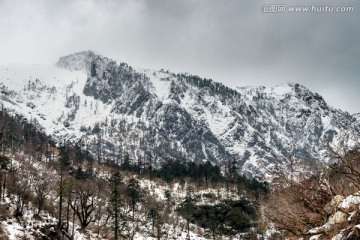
60 197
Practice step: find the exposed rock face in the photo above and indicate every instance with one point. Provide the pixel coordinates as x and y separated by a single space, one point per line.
343 223
117 109
332 206
75 62
337 218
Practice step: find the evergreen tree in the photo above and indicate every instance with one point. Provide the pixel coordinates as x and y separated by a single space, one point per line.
187 208
64 162
68 194
213 225
79 153
4 162
126 164
169 197
156 221
115 204
233 168
134 193
64 156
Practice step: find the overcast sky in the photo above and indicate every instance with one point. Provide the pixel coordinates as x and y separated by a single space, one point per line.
227 40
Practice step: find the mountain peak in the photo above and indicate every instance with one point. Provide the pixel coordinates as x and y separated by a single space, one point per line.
76 61
292 87
196 119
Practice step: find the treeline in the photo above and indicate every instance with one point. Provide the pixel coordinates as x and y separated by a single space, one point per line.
19 133
210 85
202 174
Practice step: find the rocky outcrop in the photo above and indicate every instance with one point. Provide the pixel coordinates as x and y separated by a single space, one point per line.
337 218
184 116
332 206
344 218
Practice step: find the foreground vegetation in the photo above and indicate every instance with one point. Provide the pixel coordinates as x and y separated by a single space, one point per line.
303 204
110 200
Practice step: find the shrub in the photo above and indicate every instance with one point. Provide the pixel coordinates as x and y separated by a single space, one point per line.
4 162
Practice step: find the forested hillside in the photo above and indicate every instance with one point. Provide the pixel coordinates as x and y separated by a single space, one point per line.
113 109
51 191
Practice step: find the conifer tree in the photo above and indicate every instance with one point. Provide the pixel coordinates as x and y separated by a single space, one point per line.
187 208
115 204
156 221
134 193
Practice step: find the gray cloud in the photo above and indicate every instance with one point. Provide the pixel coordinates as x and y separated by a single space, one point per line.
229 41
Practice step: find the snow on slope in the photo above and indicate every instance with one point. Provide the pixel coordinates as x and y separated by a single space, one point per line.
357 116
42 91
161 83
31 225
199 118
16 76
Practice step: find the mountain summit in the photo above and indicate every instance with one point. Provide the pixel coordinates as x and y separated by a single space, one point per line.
150 116
76 61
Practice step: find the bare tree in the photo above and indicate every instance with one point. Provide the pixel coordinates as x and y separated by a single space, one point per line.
43 184
19 184
347 163
87 201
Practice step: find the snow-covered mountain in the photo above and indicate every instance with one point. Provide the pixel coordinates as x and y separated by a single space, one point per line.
113 109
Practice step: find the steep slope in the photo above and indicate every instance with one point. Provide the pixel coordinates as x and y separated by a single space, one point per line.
152 115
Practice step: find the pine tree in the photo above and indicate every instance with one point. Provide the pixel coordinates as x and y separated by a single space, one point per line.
64 161
68 192
213 226
233 168
134 193
115 204
156 221
187 208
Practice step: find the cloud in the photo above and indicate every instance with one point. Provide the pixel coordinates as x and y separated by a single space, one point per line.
230 41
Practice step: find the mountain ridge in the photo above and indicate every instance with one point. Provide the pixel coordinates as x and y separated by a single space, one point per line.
157 114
